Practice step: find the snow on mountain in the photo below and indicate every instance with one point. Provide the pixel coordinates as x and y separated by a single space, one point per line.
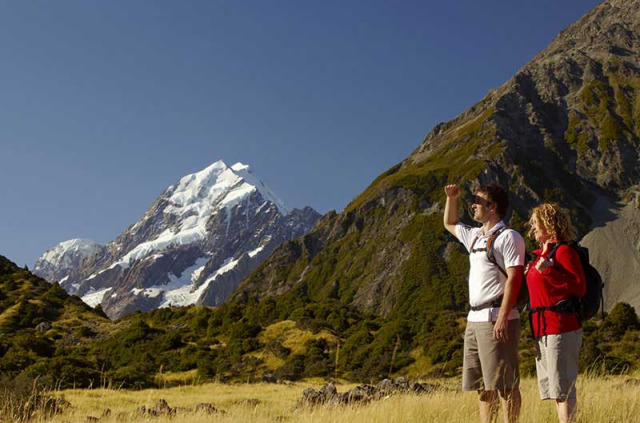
193 245
196 198
55 263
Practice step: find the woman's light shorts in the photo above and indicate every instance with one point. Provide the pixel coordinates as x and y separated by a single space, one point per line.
557 364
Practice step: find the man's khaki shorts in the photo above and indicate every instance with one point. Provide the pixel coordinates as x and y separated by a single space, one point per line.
490 365
557 364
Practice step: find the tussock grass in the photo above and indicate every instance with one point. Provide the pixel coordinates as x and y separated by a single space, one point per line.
606 399
23 398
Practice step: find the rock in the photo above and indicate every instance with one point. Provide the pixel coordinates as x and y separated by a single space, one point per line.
161 407
422 388
43 327
360 394
401 383
269 378
338 399
385 387
368 389
206 407
329 390
311 396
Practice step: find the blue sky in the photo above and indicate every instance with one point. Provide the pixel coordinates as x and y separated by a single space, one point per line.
106 103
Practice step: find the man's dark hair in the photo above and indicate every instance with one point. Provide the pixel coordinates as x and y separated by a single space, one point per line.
496 194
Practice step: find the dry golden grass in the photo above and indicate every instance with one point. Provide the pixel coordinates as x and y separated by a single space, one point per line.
602 400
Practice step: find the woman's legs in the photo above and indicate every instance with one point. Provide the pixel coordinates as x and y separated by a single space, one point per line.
557 370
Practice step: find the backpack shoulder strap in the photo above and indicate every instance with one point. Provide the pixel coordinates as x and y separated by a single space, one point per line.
473 244
552 253
490 243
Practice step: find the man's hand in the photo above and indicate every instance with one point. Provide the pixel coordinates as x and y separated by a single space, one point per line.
500 329
452 191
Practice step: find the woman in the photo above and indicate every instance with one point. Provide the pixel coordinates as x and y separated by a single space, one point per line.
557 330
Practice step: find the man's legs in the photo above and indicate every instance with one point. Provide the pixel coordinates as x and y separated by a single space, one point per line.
488 403
567 410
500 367
511 402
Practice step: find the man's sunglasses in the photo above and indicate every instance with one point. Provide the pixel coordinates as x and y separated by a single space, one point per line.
480 201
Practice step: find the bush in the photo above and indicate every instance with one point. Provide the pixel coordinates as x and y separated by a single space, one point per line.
276 348
135 376
317 360
292 369
64 372
622 317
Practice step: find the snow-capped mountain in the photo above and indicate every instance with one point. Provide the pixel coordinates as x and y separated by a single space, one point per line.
193 245
56 263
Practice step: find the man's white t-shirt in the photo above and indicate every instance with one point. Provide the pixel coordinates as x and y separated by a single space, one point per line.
486 281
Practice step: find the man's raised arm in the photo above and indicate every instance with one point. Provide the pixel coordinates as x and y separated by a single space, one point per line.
451 217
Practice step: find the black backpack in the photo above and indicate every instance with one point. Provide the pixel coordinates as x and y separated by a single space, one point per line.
587 306
523 293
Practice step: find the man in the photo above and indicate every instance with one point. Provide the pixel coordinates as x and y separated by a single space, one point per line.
490 360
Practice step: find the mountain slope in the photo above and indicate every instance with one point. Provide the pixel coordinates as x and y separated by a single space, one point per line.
38 320
565 128
193 245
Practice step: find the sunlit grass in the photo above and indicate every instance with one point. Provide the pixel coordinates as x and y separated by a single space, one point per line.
608 399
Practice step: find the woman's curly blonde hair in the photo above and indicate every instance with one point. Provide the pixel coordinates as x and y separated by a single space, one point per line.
555 220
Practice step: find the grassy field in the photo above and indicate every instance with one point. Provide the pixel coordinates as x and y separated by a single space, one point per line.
602 400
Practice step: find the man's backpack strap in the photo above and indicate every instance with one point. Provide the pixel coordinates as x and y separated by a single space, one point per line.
473 243
523 295
490 256
489 249
496 302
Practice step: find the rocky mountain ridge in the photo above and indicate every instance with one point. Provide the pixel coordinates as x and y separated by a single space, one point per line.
565 128
192 246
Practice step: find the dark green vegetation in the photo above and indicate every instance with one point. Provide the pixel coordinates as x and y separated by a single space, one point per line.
76 346
56 338
37 321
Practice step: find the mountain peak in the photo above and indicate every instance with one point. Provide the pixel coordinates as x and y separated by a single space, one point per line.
240 166
194 244
607 28
218 186
56 261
